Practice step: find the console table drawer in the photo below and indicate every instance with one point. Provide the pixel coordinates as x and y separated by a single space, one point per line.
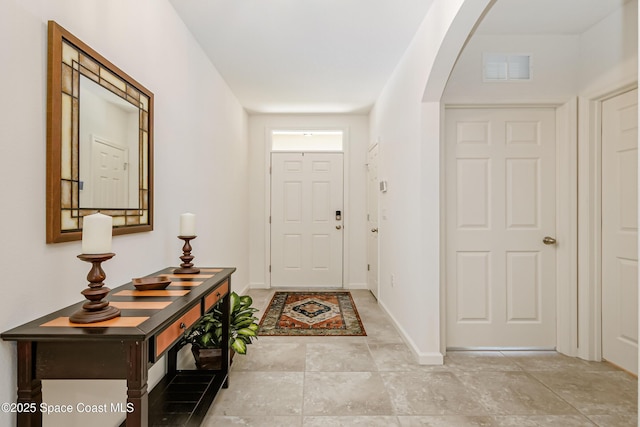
215 296
175 330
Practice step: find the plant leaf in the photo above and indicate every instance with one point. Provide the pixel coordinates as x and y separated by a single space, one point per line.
247 332
239 346
245 312
205 340
234 302
246 300
243 323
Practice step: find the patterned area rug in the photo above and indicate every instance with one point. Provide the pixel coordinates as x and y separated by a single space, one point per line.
312 313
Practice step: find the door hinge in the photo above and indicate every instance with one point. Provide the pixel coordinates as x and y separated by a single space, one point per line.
368 267
269 269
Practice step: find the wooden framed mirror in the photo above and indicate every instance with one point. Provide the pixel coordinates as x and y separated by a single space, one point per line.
99 141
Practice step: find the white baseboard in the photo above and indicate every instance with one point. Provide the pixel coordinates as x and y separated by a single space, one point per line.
243 290
423 358
262 285
258 285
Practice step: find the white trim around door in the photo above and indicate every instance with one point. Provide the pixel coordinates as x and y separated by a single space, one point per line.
589 339
268 131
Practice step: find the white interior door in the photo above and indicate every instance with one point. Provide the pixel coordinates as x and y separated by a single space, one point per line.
500 177
620 230
306 219
372 220
109 175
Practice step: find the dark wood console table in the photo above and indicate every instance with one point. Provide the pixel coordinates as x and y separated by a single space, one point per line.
151 324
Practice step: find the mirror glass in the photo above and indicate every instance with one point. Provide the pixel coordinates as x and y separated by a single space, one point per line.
108 149
99 142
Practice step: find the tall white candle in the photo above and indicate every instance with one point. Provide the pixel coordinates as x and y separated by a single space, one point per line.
97 234
187 224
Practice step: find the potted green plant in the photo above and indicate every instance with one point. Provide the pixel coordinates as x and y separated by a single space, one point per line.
205 336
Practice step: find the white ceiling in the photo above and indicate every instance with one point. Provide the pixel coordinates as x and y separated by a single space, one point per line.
334 56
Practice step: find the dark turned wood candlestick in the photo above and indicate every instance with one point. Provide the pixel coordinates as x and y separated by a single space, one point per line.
186 267
96 309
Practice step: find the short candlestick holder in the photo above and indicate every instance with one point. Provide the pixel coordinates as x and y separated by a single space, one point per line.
187 266
96 309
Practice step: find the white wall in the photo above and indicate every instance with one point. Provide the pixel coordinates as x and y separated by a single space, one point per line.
408 132
356 143
563 66
201 165
608 55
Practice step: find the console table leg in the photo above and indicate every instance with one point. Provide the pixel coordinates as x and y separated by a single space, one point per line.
137 395
172 361
29 388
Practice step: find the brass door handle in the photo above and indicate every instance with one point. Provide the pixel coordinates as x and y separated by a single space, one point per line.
338 227
374 230
549 240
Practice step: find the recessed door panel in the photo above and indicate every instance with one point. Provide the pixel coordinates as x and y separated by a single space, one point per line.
523 185
292 245
321 201
470 132
523 132
473 193
628 301
321 252
523 287
292 202
473 287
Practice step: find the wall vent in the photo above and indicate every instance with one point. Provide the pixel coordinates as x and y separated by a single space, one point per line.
506 67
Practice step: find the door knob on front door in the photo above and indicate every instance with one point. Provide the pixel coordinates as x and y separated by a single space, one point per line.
549 240
338 227
374 230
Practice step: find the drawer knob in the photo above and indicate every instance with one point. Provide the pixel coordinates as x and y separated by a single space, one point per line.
182 325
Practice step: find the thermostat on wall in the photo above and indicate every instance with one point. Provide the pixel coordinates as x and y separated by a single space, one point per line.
383 186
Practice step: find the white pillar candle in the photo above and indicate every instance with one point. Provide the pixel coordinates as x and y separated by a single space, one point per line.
97 234
187 224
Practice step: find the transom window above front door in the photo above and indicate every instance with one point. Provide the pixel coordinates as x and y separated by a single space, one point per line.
307 140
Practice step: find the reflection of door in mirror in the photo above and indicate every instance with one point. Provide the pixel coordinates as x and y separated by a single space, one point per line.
109 175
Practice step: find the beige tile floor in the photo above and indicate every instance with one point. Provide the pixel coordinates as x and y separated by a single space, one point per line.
374 381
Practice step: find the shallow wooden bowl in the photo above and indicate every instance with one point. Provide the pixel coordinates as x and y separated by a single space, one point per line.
151 283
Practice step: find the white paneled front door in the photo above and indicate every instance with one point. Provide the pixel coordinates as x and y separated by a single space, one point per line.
620 230
306 219
500 205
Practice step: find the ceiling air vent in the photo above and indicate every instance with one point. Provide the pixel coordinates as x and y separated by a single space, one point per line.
502 67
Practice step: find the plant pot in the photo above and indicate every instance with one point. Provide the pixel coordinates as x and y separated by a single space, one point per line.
209 358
